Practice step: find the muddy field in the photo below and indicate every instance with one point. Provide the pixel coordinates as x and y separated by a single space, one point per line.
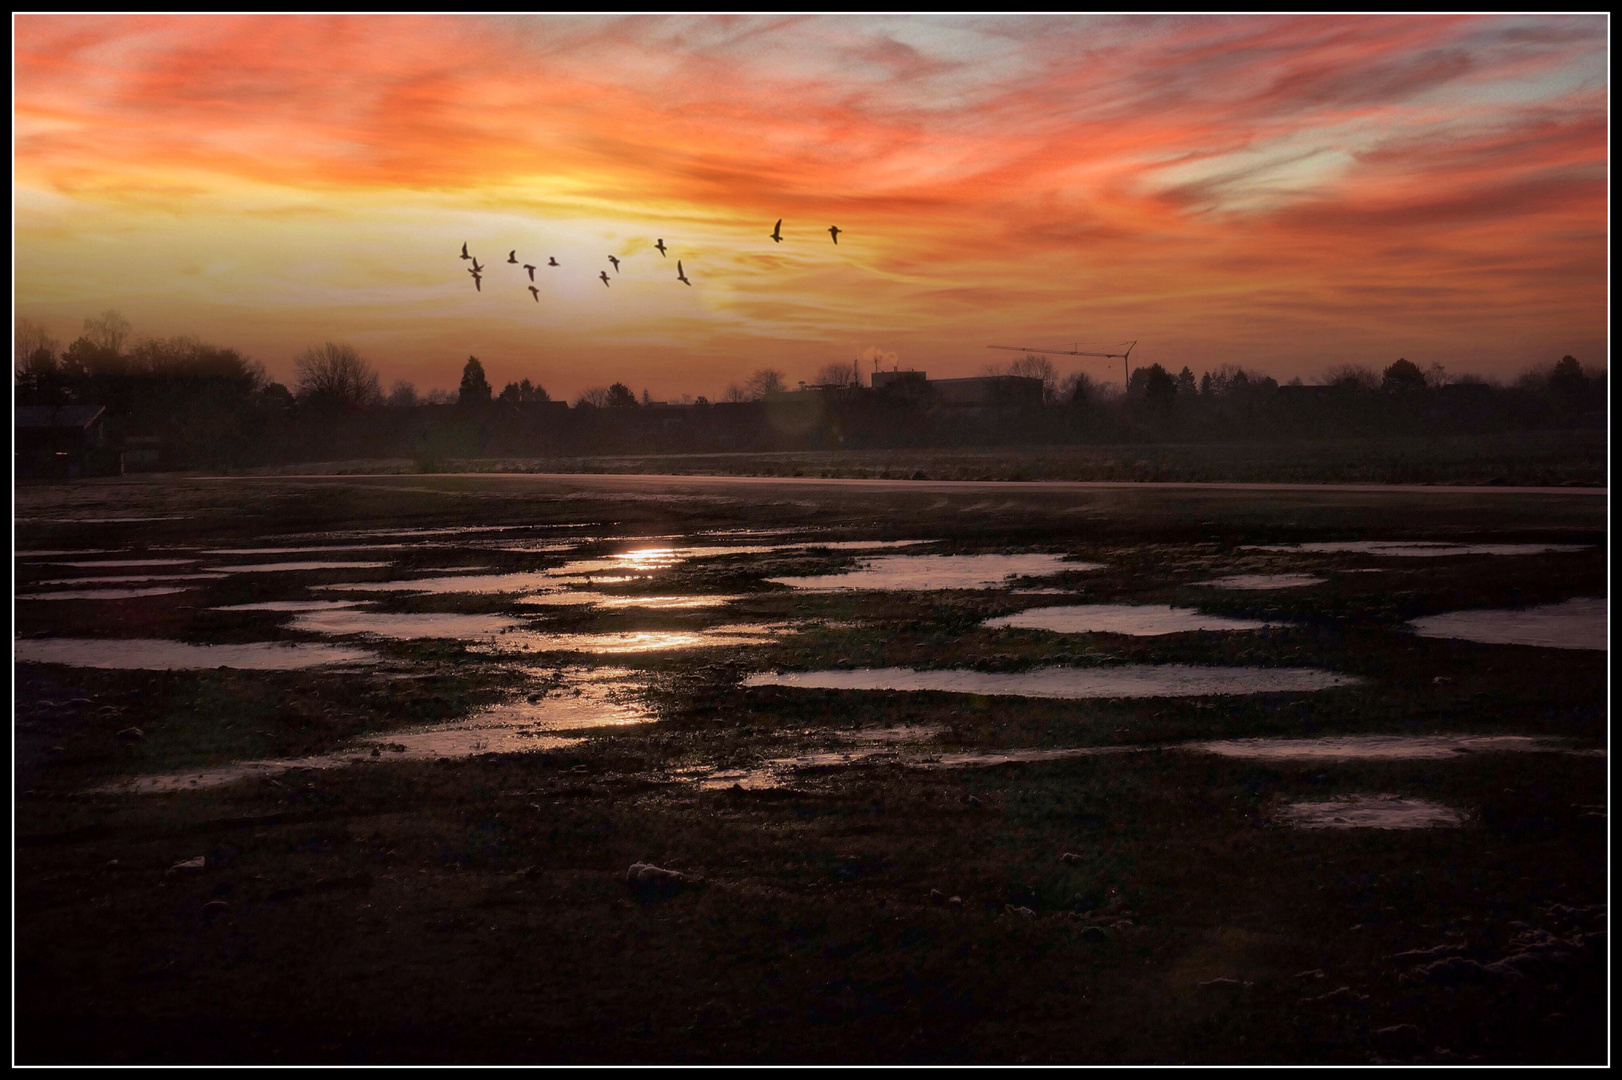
626 769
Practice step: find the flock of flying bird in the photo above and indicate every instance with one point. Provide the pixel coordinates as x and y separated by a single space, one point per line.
512 257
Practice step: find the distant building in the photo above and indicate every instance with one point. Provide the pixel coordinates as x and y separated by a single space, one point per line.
901 383
980 392
61 441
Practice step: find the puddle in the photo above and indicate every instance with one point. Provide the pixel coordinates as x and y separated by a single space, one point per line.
1139 620
984 758
473 584
931 572
634 641
157 654
626 566
544 547
282 567
563 599
649 560
1370 812
105 594
300 550
611 602
779 772
127 579
407 626
1264 581
290 605
1379 747
126 562
1417 548
1126 680
579 699
1573 624
105 520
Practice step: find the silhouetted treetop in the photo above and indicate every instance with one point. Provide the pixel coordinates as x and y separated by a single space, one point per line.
334 374
1403 377
475 388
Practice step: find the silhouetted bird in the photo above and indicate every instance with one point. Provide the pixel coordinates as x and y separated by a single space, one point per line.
536 293
476 279
551 260
661 245
512 256
477 269
834 231
465 255
604 276
681 277
616 263
777 231
531 270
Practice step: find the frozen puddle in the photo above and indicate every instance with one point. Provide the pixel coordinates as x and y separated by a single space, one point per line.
577 699
1126 680
1378 747
1370 812
157 654
1420 549
1139 620
1574 624
405 626
1263 581
929 572
634 641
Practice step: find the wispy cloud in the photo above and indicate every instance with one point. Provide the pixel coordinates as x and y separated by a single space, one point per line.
1221 188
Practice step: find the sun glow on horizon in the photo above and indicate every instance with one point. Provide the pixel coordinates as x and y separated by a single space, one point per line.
1285 193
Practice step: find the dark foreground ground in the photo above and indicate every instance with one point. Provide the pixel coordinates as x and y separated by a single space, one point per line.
1569 458
477 909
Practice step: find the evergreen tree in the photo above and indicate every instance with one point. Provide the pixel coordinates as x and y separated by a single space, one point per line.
475 389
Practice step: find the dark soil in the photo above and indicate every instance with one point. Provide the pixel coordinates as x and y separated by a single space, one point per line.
478 910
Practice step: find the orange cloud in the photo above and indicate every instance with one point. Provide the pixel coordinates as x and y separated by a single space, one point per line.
1283 192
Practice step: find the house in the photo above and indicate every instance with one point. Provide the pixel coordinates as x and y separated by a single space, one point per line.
61 441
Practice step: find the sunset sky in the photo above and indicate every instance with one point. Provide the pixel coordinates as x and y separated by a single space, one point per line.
1283 193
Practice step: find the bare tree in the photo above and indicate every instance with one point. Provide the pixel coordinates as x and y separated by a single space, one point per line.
402 394
335 373
735 393
763 382
108 331
839 374
36 349
1352 377
1033 366
596 398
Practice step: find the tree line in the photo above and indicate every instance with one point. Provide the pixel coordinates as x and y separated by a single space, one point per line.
212 406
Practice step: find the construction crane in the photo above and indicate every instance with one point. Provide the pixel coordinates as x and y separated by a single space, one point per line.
1075 350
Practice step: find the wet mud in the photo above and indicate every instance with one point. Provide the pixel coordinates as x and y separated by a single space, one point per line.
1225 800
